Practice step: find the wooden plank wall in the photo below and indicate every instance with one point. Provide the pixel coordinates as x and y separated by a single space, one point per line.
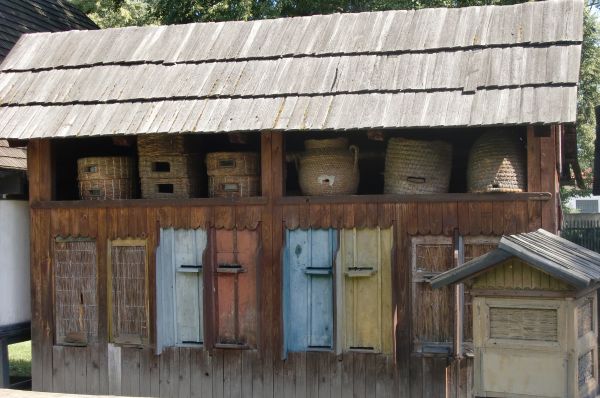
101 368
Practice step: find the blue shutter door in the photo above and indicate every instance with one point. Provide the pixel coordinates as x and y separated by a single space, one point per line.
308 289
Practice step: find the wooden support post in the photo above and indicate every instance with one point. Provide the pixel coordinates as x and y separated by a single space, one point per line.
4 375
542 175
272 184
40 170
533 161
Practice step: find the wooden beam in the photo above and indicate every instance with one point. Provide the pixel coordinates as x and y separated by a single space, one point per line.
533 161
549 180
40 170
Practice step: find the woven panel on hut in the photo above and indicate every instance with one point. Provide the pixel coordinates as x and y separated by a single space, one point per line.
75 305
129 294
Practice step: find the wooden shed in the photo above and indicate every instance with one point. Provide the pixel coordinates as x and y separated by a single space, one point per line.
262 295
535 324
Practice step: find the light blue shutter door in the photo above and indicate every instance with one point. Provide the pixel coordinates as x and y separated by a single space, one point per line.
179 287
189 247
308 289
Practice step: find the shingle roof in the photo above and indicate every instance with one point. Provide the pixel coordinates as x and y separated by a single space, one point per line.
547 252
12 158
25 16
470 66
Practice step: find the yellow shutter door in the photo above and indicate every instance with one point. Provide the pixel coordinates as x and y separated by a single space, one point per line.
364 273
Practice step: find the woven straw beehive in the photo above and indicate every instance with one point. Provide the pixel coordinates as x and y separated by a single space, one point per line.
497 164
328 167
416 166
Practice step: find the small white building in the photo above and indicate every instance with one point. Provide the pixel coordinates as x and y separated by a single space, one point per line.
586 204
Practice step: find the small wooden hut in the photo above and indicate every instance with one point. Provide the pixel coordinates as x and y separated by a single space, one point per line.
263 295
535 317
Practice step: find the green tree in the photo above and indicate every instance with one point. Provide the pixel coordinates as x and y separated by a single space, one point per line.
588 96
114 14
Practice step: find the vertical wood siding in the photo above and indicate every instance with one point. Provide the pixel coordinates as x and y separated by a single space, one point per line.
184 371
308 289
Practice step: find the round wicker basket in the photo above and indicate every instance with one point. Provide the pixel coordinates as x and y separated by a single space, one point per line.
417 167
497 164
328 170
232 163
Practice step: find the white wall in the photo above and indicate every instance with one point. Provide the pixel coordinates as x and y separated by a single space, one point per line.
15 296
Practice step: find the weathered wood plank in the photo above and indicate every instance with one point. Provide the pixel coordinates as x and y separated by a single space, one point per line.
416 377
246 376
197 373
424 218
149 377
312 374
359 376
548 180
70 365
300 389
449 217
218 375
94 351
37 343
347 375
475 218
498 218
487 221
130 368
324 375
80 370
464 224
185 375
114 370
533 161
436 222
58 369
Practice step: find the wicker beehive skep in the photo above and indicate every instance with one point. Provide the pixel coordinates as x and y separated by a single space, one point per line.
417 166
327 170
497 164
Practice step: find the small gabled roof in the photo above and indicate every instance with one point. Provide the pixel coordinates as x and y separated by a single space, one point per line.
564 260
473 66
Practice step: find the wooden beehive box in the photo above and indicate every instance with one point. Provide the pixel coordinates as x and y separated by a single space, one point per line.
535 327
167 169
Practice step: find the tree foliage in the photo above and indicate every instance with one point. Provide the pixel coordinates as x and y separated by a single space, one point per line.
118 13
